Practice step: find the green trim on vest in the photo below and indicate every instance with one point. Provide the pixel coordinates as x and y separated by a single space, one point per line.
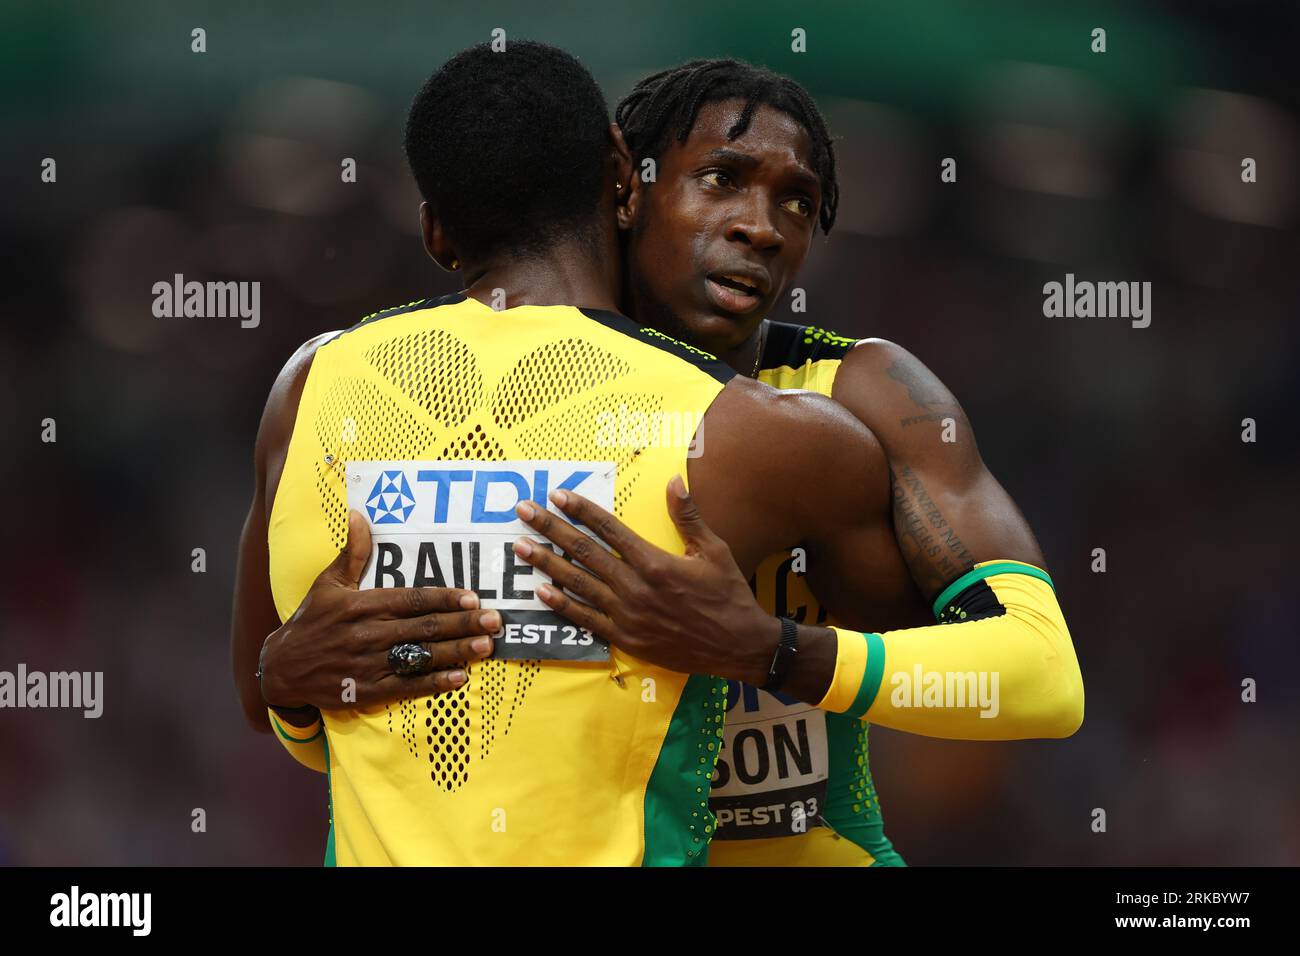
329 776
275 722
678 822
852 808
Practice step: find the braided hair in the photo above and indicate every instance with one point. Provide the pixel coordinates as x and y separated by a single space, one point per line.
665 106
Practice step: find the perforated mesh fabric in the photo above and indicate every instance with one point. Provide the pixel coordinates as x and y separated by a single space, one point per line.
435 369
429 399
549 375
493 771
573 428
447 727
708 746
378 427
473 445
861 786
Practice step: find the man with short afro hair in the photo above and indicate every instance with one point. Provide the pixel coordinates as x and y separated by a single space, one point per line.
465 154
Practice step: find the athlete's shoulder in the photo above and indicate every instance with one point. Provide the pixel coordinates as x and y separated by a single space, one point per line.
877 352
286 392
418 305
705 362
300 361
792 455
879 374
791 423
792 346
893 392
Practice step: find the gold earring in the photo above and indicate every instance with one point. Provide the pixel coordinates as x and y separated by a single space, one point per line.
455 264
617 187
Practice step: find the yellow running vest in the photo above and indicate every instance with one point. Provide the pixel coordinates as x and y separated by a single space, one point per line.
793 785
434 419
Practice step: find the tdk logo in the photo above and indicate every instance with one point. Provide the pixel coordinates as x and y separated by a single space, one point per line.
456 494
493 492
390 500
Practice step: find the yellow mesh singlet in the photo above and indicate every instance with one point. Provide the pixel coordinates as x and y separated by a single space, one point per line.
531 761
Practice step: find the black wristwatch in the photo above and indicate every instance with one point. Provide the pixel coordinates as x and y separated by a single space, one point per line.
784 657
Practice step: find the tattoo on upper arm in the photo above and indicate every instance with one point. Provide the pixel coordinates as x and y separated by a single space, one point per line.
931 547
934 417
918 390
924 393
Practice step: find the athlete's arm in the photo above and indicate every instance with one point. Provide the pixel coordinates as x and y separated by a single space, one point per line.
337 633
696 613
254 614
950 513
1038 689
974 558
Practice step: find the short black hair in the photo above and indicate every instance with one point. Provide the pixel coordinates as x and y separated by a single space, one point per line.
509 148
667 104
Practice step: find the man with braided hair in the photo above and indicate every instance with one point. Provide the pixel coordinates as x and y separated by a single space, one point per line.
745 167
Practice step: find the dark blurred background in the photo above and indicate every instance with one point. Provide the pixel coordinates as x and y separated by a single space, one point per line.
1122 166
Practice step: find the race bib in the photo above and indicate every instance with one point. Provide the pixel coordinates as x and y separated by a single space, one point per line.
452 524
770 779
